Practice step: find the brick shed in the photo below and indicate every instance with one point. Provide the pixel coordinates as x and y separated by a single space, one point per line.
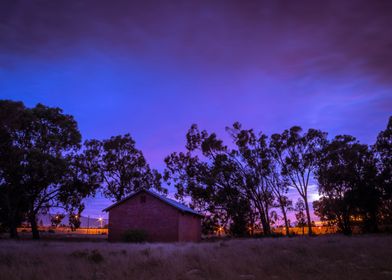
163 219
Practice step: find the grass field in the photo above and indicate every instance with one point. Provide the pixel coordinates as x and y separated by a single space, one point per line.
324 257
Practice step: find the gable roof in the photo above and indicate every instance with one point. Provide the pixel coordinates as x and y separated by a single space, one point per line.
168 201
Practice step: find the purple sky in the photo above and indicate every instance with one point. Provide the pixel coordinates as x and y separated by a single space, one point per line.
152 68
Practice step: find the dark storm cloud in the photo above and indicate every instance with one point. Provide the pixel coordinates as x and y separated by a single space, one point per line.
151 68
291 38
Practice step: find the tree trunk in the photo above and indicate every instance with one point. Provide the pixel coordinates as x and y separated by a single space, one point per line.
347 225
265 224
308 216
13 224
13 231
12 219
286 223
372 222
34 226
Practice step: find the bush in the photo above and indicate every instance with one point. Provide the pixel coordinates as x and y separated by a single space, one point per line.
135 236
95 256
80 254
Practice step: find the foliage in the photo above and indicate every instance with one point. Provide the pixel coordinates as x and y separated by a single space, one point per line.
13 201
37 142
239 187
298 154
121 166
208 174
300 216
93 255
75 218
254 165
56 219
383 154
347 182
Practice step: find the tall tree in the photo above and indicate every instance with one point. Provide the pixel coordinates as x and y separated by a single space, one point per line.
253 161
383 153
279 186
298 154
122 166
39 141
346 176
49 137
207 174
13 201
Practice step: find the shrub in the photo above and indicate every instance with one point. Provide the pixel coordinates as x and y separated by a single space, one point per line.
80 254
51 231
135 236
95 256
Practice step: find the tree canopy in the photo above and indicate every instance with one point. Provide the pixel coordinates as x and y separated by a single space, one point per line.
239 186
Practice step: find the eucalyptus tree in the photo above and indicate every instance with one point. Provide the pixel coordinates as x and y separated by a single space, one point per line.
383 154
122 167
38 142
279 186
207 174
253 161
266 187
347 183
298 155
13 201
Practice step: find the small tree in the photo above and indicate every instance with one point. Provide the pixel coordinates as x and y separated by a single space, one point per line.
56 219
300 214
75 218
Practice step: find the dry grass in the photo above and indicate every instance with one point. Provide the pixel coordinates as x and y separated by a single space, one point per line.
325 257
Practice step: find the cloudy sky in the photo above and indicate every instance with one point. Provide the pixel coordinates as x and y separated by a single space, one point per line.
152 68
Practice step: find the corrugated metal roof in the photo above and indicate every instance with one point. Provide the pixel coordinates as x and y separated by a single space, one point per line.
169 201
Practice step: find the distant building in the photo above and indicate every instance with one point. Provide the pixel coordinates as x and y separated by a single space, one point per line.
163 219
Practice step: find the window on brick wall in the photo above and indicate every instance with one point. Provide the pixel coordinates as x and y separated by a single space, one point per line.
143 199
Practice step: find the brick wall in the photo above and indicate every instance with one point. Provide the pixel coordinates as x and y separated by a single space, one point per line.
189 227
158 219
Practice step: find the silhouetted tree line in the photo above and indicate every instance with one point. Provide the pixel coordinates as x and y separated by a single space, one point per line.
44 165
240 186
